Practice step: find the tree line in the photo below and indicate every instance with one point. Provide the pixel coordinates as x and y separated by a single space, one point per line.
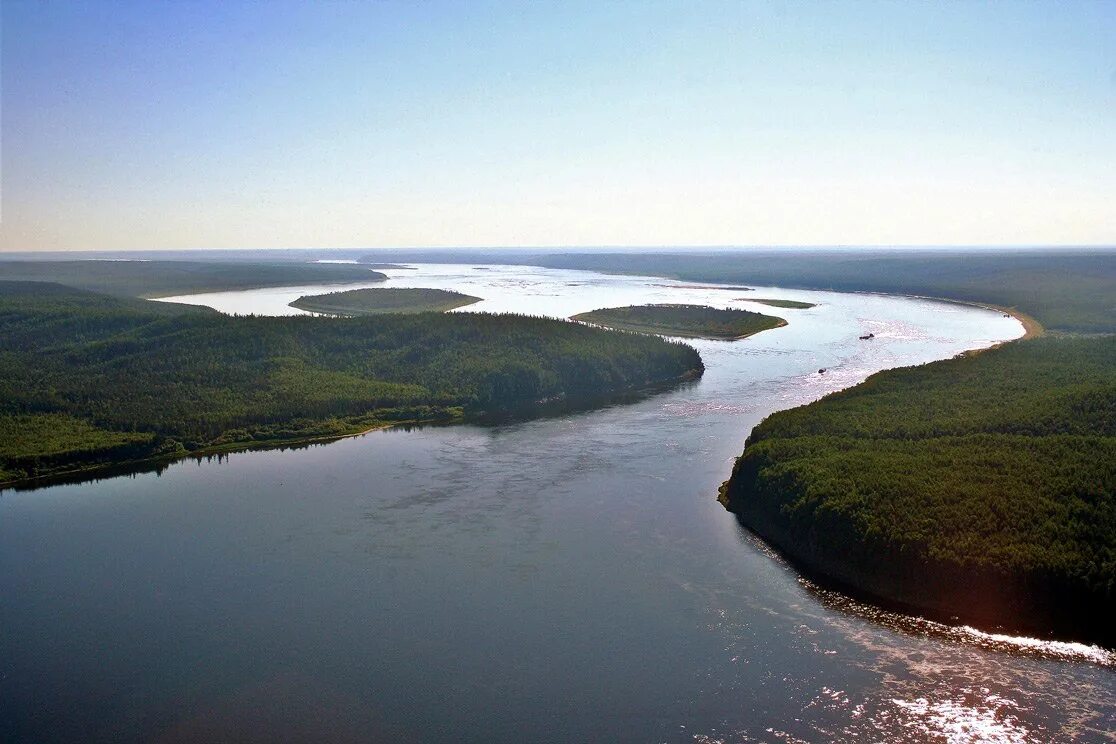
183 378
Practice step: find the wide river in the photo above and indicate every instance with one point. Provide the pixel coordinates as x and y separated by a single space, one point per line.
569 578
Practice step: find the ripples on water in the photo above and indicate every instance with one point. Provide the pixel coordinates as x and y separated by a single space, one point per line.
937 682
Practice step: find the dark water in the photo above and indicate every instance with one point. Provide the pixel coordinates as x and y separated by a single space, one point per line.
564 579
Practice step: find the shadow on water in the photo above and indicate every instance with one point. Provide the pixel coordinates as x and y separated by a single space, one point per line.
850 602
573 405
144 467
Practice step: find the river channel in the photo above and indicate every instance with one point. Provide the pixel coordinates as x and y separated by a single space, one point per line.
567 578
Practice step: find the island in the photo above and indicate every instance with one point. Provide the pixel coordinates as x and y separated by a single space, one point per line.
790 304
687 321
384 300
90 381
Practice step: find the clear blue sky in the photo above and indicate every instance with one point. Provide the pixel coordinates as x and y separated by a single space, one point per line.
268 124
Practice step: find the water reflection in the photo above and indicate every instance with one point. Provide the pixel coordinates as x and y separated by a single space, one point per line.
914 624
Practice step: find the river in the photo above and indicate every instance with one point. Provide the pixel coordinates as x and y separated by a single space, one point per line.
569 578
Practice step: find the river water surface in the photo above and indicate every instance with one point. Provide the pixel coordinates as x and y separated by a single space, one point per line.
570 578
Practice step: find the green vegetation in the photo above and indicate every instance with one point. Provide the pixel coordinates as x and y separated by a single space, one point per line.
88 380
983 487
378 301
690 321
168 278
792 304
1065 290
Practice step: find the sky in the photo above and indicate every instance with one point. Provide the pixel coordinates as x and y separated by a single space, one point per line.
194 124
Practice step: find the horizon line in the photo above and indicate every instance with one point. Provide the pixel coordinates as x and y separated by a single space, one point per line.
591 247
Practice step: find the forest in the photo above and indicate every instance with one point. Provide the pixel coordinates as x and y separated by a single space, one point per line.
384 300
982 487
689 321
87 379
167 278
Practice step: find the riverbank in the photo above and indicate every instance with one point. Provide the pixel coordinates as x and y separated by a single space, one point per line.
93 471
977 489
93 380
339 430
1031 327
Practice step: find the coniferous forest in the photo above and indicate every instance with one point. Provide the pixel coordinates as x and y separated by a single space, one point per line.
982 487
164 278
379 301
688 321
88 379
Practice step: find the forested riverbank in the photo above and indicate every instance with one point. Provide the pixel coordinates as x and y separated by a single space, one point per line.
981 488
88 380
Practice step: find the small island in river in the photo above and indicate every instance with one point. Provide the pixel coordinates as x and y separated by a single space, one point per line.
378 301
688 321
789 304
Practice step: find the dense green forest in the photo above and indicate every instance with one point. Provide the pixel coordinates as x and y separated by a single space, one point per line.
87 379
168 278
690 321
791 304
982 486
386 300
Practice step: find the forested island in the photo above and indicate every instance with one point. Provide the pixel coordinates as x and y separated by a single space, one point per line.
790 304
167 278
688 321
89 380
982 487
384 300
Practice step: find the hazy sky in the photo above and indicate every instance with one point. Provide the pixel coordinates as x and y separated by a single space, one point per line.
266 124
